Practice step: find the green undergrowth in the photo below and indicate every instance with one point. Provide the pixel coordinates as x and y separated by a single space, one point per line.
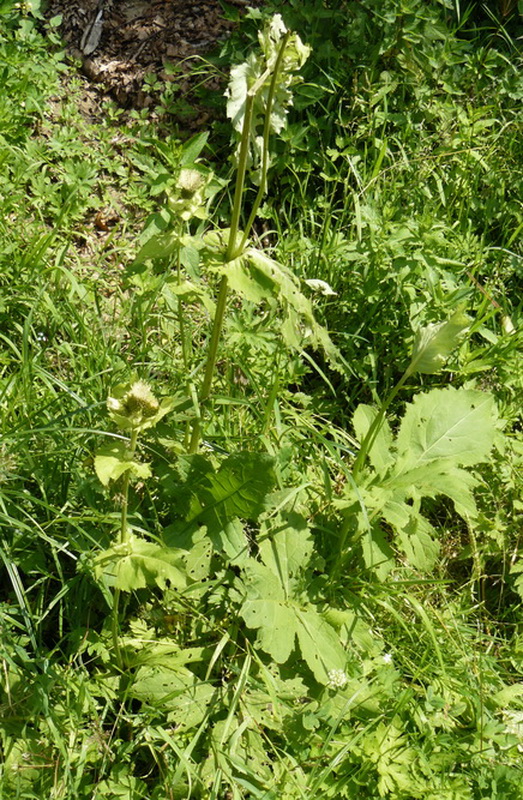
260 392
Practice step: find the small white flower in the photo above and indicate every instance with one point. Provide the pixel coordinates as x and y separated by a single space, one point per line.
337 678
387 658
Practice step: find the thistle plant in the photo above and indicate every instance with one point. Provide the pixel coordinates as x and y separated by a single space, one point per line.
432 346
259 95
258 99
133 408
442 431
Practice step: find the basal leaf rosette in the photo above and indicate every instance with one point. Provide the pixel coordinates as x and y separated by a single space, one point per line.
133 407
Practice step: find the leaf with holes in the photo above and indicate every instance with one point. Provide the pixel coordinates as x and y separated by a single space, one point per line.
138 563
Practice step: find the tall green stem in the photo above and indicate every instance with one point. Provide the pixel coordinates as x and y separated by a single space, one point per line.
375 426
266 132
233 248
231 253
124 526
124 538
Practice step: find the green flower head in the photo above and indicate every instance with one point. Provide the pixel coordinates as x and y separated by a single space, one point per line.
134 406
188 198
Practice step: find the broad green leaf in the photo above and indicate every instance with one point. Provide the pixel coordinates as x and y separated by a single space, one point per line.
177 692
238 489
380 455
417 540
262 582
441 432
415 535
434 343
161 245
183 478
266 610
299 327
198 558
252 285
173 290
287 548
458 425
353 629
319 644
257 277
378 555
112 460
138 563
193 148
437 478
276 625
143 646
509 696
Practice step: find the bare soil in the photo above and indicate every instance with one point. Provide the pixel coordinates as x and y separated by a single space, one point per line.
126 46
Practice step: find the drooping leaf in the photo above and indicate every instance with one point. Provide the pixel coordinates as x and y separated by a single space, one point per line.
252 285
112 461
138 563
257 277
434 343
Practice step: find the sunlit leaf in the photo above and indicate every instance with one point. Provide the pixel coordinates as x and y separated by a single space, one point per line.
139 563
112 461
380 454
319 644
434 343
176 691
453 424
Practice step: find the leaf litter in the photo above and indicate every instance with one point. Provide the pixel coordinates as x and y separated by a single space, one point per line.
123 45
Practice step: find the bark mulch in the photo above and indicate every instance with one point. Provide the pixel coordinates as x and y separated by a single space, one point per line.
123 46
